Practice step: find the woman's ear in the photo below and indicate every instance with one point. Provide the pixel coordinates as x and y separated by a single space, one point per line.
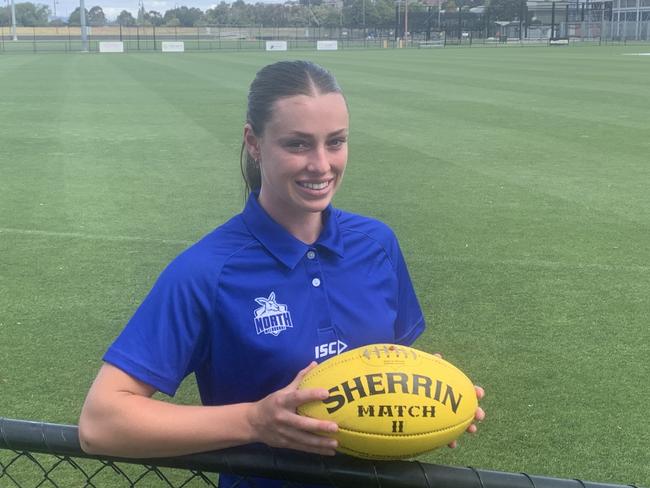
251 141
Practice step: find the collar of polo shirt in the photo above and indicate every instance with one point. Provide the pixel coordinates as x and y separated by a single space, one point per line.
280 243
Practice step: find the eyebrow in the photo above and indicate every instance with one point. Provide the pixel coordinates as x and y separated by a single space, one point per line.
306 135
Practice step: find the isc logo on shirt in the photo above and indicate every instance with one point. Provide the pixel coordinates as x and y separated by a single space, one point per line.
329 349
272 317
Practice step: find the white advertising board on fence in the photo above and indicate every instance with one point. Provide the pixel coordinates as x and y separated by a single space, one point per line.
173 46
327 45
111 47
276 45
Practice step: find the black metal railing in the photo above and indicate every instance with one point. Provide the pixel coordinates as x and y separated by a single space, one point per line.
36 454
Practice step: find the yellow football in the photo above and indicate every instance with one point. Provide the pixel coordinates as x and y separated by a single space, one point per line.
391 401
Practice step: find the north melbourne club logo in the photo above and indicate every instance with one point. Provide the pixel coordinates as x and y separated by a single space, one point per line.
272 317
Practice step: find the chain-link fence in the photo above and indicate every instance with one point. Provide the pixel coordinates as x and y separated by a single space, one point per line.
23 469
204 38
34 454
254 38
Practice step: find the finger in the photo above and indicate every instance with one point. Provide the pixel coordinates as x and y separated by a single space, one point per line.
293 399
306 441
453 444
480 414
480 392
472 429
312 425
438 355
301 374
323 451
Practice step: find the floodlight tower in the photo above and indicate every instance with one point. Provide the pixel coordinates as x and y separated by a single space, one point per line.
82 21
13 21
406 21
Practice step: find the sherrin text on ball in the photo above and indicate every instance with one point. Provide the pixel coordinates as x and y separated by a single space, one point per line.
391 401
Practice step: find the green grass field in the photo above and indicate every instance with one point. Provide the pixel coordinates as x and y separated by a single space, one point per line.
517 181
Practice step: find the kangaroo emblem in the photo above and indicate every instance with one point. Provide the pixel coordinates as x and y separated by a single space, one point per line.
272 317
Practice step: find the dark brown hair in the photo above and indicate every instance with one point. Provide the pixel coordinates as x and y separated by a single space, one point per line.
273 82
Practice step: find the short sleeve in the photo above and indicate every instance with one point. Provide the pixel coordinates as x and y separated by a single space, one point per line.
409 323
165 339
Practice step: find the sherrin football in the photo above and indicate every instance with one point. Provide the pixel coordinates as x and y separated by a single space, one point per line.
391 401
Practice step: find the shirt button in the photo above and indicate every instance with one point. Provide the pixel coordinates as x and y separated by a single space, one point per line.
315 282
311 254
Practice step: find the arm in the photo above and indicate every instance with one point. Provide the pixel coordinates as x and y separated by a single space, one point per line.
119 418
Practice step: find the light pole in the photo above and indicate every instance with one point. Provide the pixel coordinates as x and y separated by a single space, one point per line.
406 20
13 21
399 4
82 21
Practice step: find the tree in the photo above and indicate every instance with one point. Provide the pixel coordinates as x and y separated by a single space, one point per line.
75 17
219 14
187 17
353 12
327 15
56 23
371 14
5 16
385 12
296 16
504 9
96 16
241 13
269 14
29 14
126 18
153 18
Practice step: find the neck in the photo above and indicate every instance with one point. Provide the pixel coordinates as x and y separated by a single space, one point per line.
304 226
307 229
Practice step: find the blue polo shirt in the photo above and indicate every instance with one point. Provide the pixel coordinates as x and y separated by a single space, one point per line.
249 305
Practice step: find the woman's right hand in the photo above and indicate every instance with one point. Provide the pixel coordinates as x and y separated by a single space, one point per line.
275 422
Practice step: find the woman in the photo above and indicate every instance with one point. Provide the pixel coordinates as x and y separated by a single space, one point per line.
250 307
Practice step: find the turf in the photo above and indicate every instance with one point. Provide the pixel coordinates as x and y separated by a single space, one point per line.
515 178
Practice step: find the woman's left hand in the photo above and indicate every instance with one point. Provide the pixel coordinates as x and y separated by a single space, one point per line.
478 416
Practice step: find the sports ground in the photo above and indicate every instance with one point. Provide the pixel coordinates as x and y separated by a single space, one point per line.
517 180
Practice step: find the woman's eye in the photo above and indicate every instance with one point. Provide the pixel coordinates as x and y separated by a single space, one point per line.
296 145
338 142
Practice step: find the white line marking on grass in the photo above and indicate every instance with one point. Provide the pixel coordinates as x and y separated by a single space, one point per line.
636 54
80 235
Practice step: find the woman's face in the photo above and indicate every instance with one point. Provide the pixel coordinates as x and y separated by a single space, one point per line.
302 154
